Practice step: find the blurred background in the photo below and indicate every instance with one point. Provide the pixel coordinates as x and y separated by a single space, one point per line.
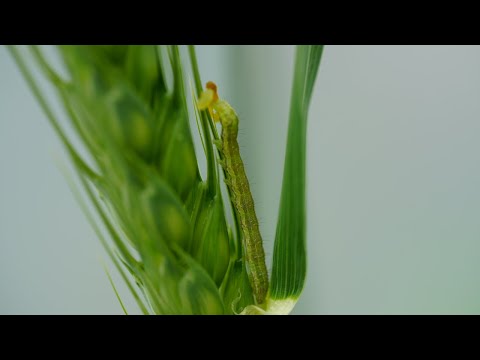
393 182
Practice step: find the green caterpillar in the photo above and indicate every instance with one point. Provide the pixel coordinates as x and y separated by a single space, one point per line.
236 180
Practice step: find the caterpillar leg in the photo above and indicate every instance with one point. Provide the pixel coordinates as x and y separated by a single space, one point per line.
221 162
218 144
214 115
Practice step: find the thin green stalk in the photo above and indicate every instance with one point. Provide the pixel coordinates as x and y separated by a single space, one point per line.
115 289
206 126
198 86
102 239
206 116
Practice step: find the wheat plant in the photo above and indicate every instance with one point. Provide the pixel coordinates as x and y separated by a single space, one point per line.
175 238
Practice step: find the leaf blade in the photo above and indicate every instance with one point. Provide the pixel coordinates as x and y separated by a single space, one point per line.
290 257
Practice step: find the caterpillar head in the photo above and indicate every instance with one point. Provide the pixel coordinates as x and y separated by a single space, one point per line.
219 109
208 98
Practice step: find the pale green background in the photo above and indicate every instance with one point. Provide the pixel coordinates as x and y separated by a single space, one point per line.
393 182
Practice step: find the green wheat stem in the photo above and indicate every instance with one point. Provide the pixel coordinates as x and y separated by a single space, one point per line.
206 115
206 125
199 87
